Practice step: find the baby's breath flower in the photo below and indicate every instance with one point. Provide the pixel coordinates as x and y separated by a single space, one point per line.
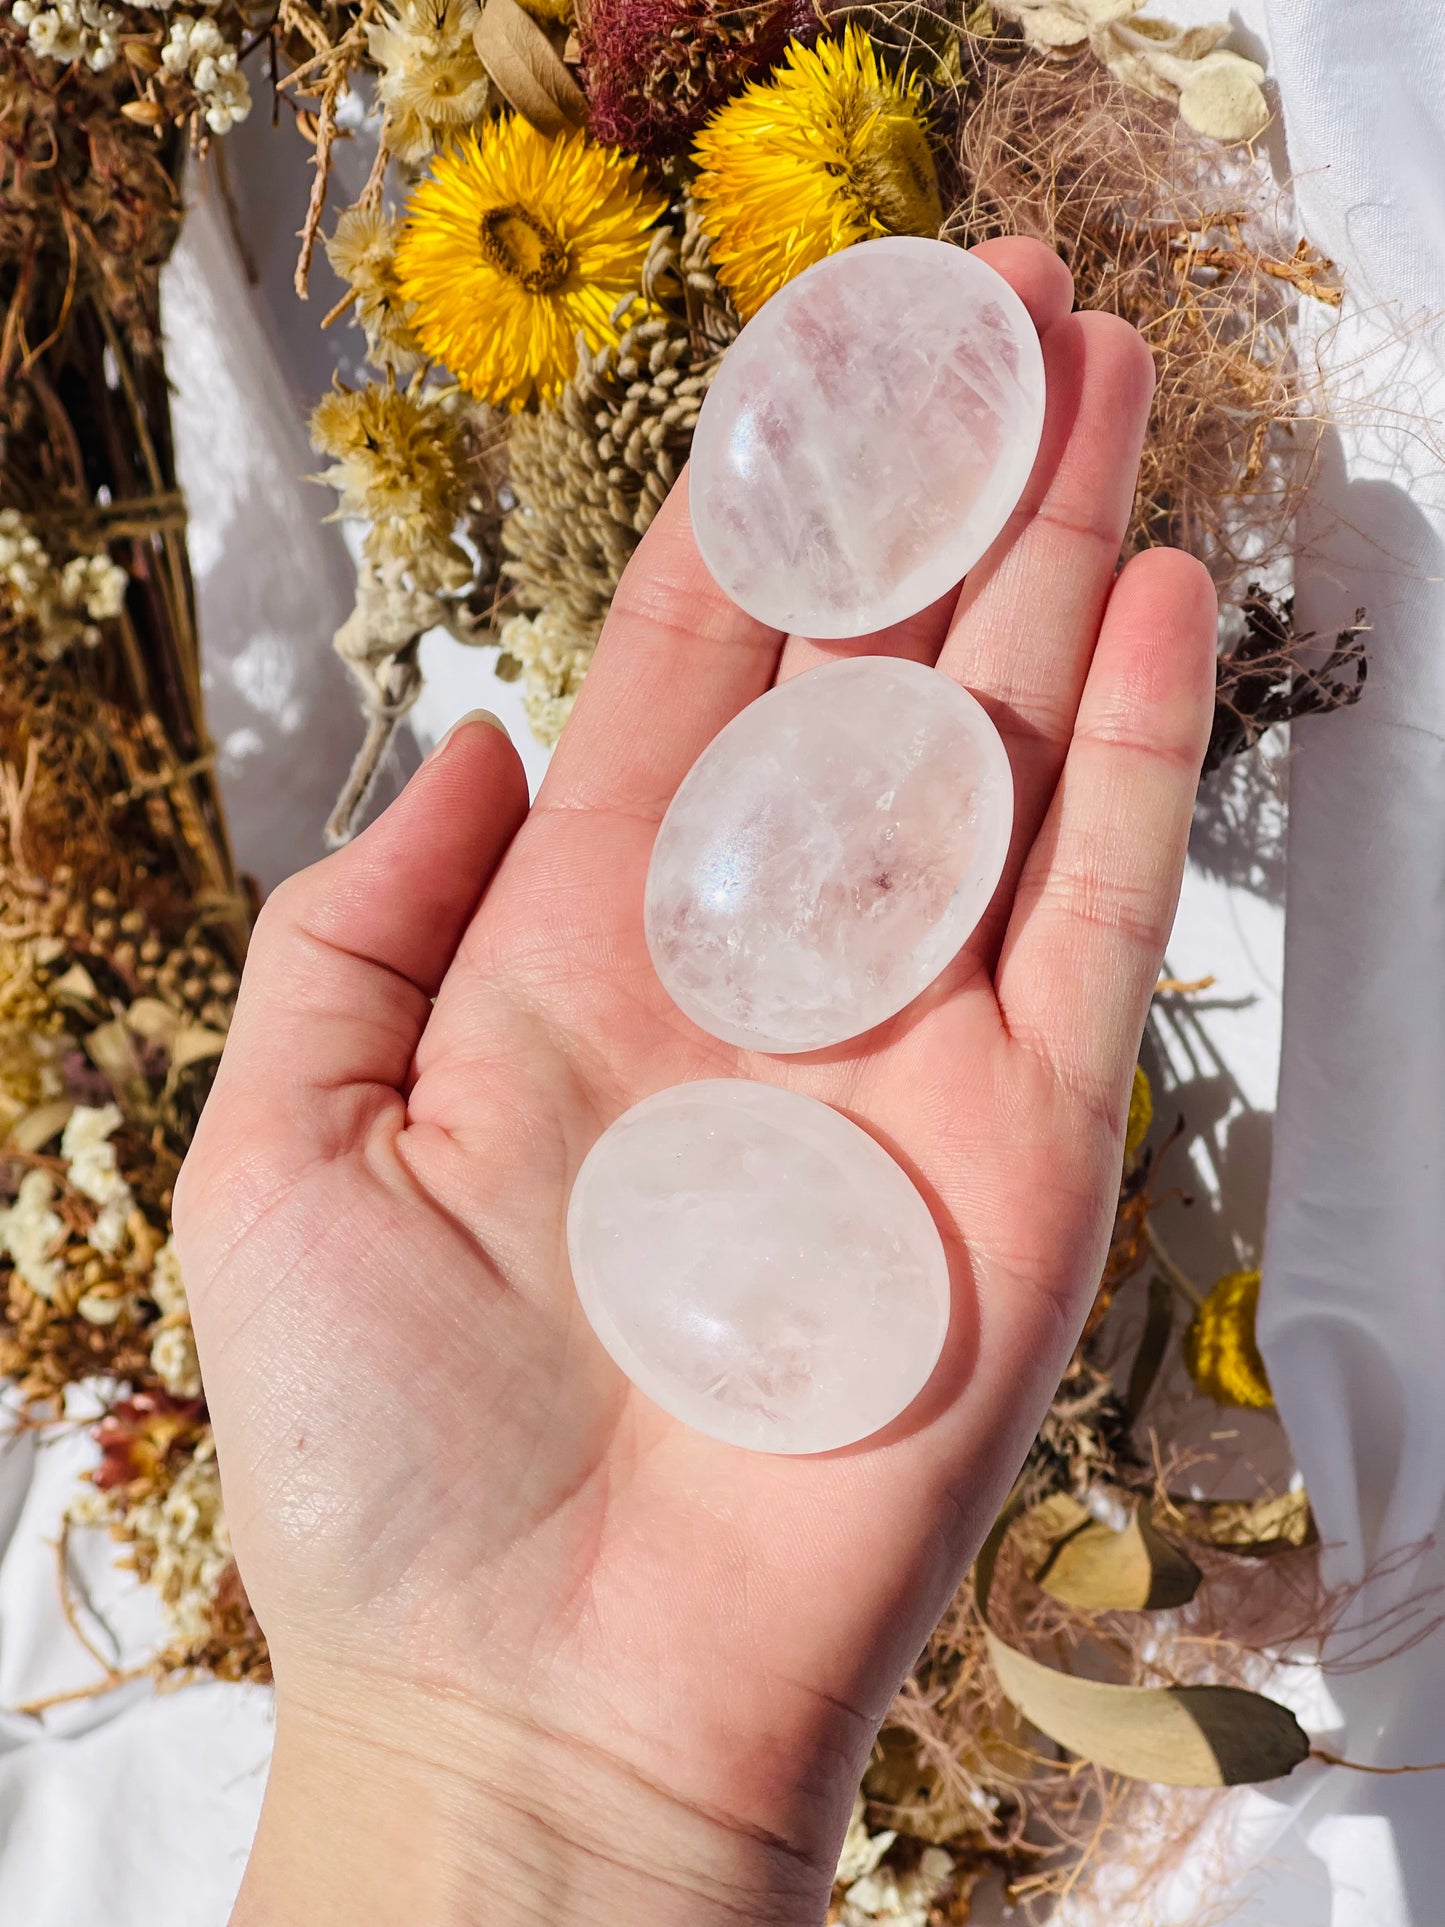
174 1361
181 1543
199 50
32 1234
166 1286
93 1170
71 30
57 599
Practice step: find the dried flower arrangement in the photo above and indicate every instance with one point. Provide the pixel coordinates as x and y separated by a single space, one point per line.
587 206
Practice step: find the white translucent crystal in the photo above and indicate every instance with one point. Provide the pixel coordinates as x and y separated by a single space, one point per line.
828 854
867 436
758 1266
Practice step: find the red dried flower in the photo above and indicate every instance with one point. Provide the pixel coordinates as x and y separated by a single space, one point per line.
135 1436
655 69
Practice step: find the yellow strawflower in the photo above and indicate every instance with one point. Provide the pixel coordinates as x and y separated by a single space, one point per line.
1220 1350
513 245
829 150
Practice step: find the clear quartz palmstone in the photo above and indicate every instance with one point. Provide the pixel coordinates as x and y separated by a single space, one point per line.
867 436
828 854
758 1266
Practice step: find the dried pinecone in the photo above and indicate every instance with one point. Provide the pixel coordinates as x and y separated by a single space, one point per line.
590 473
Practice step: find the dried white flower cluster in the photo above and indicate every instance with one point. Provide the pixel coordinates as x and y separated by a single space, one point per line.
551 658
181 1541
71 30
32 1234
1218 92
432 81
198 49
57 599
173 1349
93 1171
874 1893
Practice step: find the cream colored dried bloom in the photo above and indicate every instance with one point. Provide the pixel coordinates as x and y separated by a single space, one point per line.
432 80
363 253
181 1542
174 1361
900 1899
105 1305
552 659
862 1850
199 50
166 1285
1218 91
32 1234
397 464
96 584
71 30
57 599
93 1171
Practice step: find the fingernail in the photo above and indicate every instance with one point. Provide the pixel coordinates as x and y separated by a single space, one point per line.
463 722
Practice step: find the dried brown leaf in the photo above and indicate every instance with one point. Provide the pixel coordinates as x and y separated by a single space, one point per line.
1171 1735
194 1042
527 68
1100 1570
112 1050
35 1130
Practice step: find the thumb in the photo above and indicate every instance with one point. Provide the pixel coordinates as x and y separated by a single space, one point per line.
347 955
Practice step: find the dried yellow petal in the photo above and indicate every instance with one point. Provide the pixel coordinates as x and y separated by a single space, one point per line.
1141 1112
1220 1349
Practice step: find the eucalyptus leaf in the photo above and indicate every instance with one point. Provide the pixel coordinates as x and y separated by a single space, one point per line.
1171 1735
1138 1569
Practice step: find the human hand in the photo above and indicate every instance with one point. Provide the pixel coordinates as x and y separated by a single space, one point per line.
541 1652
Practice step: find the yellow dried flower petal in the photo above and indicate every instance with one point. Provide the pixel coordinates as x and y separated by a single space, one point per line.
514 245
829 150
1141 1112
1220 1350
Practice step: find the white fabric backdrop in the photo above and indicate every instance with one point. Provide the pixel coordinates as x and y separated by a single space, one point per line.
139 1809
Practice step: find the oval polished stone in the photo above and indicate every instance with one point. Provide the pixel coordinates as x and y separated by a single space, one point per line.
758 1266
828 854
867 436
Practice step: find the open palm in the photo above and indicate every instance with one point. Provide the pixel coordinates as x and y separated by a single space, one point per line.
455 1518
